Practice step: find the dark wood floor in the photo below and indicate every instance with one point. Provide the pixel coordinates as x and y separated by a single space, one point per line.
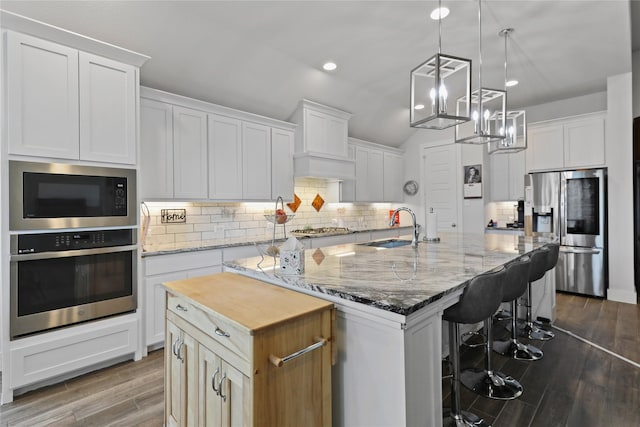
574 384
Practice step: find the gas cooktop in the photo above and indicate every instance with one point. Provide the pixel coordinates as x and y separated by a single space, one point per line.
321 231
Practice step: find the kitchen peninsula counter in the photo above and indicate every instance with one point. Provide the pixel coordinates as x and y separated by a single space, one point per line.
390 304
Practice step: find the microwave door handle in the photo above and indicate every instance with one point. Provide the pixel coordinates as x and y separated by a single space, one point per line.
77 252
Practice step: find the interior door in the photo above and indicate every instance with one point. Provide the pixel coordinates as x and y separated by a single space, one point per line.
442 189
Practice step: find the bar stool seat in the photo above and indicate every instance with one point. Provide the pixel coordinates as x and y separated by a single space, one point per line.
519 273
480 299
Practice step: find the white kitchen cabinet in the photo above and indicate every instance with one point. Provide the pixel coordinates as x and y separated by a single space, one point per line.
567 143
42 98
393 177
190 153
507 176
225 157
324 129
156 149
256 161
282 181
180 378
64 103
107 110
159 269
369 175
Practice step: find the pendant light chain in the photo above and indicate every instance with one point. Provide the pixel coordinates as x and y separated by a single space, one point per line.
439 27
481 129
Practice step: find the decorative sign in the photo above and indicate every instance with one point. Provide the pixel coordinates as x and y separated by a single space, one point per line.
472 188
173 216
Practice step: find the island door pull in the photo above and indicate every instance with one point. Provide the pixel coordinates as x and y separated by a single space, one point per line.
224 377
221 333
213 381
181 308
279 361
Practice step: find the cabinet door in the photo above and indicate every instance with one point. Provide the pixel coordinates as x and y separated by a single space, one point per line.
235 395
256 161
209 382
156 150
362 170
375 176
107 110
155 305
337 130
42 98
315 129
180 374
225 157
517 170
499 176
282 164
584 143
545 149
347 187
393 177
189 153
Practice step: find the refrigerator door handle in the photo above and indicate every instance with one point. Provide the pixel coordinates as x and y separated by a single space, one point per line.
574 250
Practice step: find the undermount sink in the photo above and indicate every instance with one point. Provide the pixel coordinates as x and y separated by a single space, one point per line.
389 243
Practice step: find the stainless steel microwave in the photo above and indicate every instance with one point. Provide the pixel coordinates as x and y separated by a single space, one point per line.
51 196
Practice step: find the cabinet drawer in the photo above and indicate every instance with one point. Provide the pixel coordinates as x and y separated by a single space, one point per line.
218 328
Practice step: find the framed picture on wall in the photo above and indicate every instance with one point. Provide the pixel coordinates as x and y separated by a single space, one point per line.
472 187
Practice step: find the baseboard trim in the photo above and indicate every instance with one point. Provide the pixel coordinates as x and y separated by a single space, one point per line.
629 297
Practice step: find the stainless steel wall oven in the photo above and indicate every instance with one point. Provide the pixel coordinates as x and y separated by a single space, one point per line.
63 278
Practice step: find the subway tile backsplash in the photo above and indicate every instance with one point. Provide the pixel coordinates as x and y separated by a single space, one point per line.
215 223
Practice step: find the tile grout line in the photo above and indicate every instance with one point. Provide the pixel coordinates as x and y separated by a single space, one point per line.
624 359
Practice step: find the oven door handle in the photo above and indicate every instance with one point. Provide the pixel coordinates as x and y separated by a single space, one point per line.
77 252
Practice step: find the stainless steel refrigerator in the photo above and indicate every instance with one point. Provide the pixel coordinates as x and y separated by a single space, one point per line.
571 208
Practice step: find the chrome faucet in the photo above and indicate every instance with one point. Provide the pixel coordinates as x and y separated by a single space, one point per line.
416 226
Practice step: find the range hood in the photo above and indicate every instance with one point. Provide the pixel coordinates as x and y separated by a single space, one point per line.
323 166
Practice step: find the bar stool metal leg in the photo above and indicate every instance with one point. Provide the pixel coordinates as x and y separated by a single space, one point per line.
513 347
457 417
530 329
487 382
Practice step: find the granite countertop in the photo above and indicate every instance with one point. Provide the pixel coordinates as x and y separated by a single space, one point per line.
244 241
400 280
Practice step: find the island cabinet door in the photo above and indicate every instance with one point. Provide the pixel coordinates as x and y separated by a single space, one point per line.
222 392
179 386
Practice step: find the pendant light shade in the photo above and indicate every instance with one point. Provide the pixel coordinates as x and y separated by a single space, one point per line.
437 86
488 107
516 121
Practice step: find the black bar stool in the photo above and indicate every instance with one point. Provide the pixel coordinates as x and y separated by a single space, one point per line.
539 267
480 299
487 382
519 273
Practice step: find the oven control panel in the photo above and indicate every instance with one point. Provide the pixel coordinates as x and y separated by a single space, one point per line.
73 240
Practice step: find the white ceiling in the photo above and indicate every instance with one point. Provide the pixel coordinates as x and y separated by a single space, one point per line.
264 56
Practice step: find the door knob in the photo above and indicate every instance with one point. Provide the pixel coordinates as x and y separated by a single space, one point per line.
453 225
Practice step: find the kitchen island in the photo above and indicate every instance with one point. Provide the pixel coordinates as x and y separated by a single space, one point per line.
389 322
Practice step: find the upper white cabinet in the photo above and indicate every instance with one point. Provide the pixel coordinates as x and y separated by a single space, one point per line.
369 175
321 142
156 149
507 176
189 153
568 143
65 103
216 153
393 176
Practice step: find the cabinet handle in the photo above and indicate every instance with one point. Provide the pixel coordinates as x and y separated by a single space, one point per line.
173 347
181 308
279 361
224 398
179 355
221 333
213 381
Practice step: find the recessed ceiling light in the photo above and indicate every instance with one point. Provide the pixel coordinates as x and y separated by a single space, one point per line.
511 83
419 106
439 13
329 66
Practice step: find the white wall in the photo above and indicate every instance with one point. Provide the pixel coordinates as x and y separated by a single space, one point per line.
568 107
635 66
619 159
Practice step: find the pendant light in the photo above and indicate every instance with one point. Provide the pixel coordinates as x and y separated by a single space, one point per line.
488 107
516 121
436 85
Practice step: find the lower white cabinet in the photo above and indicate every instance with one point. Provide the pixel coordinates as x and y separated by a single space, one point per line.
159 269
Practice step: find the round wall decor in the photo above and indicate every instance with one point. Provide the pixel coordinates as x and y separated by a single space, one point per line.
410 188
